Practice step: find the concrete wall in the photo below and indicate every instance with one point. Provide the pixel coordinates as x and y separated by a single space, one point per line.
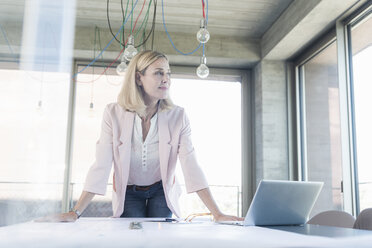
271 142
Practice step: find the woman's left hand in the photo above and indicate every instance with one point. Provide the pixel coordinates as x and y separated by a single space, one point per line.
224 217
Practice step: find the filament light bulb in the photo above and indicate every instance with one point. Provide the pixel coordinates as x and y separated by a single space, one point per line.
202 71
39 108
91 112
203 35
122 67
130 51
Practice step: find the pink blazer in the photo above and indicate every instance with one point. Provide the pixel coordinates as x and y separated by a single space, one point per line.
114 147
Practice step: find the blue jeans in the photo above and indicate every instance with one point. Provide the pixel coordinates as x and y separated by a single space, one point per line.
146 203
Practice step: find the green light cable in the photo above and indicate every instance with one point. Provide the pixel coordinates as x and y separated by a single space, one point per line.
144 30
94 45
131 20
98 33
144 23
122 33
145 20
142 38
103 64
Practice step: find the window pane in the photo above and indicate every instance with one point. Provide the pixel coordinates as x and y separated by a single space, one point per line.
214 110
361 37
219 135
323 138
33 127
99 88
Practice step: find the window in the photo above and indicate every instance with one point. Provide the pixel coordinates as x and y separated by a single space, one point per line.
214 110
321 137
361 50
33 128
94 89
216 134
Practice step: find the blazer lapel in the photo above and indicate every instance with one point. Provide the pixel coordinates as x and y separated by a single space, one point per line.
127 127
127 122
164 146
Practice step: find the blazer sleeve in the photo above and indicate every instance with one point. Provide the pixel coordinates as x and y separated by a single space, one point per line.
194 177
99 172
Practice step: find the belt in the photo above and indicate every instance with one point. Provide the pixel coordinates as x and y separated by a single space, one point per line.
142 188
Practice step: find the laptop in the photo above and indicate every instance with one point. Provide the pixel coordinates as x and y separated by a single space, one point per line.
279 203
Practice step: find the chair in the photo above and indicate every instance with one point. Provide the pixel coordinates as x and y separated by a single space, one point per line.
333 218
364 220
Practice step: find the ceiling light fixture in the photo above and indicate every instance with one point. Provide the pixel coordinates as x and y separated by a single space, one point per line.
130 51
203 35
202 71
122 67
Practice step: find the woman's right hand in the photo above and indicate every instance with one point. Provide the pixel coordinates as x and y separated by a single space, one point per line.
65 217
84 200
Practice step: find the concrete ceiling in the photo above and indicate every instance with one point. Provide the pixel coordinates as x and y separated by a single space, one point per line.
246 18
243 32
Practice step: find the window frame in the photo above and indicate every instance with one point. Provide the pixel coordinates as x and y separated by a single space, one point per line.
339 33
356 18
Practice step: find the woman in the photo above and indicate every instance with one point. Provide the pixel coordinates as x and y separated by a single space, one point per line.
142 135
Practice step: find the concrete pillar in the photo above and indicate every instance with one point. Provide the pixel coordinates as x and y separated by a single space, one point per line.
271 142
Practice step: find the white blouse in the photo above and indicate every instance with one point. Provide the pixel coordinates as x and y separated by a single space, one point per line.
144 160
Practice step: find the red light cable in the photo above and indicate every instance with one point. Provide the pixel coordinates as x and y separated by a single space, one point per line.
203 7
139 15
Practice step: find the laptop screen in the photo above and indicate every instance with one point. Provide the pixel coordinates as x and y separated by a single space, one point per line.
279 202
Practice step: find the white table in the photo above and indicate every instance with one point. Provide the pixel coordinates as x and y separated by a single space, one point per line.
110 232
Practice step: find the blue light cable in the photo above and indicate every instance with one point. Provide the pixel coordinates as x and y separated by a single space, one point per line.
6 40
206 23
170 39
108 44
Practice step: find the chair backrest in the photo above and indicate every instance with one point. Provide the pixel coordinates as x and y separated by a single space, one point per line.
333 218
364 220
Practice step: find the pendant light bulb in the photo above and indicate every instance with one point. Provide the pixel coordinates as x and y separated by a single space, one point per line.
203 35
91 110
202 71
130 51
122 67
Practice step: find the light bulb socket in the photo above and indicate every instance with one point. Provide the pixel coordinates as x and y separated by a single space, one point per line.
130 40
203 23
123 59
203 60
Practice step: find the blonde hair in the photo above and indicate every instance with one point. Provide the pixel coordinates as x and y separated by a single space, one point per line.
130 96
